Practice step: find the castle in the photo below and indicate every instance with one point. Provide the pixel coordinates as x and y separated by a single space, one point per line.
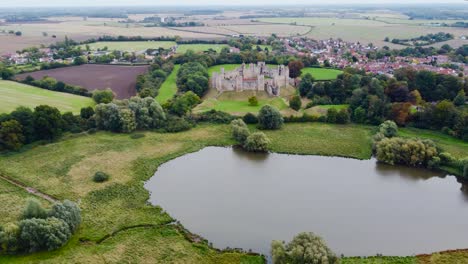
257 77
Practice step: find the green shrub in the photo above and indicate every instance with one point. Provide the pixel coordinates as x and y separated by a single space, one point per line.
137 135
342 117
411 152
295 103
34 209
250 118
269 118
9 235
257 142
69 212
304 248
100 177
389 129
103 96
217 117
253 101
239 131
332 115
43 234
177 124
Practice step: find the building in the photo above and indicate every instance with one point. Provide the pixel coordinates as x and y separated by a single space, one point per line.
256 77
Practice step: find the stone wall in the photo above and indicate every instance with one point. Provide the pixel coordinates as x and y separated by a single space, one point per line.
255 77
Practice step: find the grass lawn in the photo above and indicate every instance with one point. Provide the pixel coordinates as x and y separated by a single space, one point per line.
169 88
131 46
13 94
227 67
322 74
458 148
239 107
199 47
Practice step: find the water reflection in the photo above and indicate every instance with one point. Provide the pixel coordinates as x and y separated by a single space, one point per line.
244 200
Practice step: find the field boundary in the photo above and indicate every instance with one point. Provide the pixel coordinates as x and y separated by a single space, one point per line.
30 190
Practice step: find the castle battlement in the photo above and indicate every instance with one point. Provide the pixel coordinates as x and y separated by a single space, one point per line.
256 77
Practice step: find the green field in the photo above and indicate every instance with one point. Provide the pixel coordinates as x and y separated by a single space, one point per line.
199 47
227 67
130 46
239 106
322 74
169 88
13 94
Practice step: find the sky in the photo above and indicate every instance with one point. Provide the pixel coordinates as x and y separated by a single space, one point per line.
13 3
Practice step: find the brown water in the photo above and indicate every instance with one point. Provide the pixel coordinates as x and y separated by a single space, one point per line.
243 200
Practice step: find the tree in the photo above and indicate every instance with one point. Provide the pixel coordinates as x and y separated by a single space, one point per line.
400 113
410 152
388 129
342 117
127 121
9 235
103 96
86 112
295 103
11 135
34 209
107 117
306 84
359 115
25 117
257 142
331 115
250 118
69 212
239 130
79 61
269 118
253 101
304 248
39 234
295 68
182 104
48 122
460 98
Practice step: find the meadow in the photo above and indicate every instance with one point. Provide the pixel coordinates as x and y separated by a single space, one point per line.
130 46
13 94
169 88
197 48
118 223
322 74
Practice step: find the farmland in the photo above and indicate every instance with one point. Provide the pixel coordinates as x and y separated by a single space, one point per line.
121 79
14 94
322 74
130 46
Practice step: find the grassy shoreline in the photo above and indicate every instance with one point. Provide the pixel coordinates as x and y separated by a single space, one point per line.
64 169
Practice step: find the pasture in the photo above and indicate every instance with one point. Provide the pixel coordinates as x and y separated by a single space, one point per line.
130 46
169 88
197 48
13 94
121 79
322 74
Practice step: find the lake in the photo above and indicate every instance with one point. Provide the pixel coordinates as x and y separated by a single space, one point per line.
244 200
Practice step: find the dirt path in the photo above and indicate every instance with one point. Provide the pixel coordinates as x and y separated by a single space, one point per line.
30 190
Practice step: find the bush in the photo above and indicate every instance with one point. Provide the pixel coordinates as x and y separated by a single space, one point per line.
250 118
33 209
9 236
342 117
269 118
103 96
177 124
68 212
257 142
389 129
137 135
39 234
217 117
410 152
295 103
240 131
304 248
332 115
100 177
253 101
86 112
